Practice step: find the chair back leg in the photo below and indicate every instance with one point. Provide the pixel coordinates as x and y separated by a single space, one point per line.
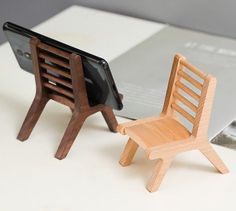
110 118
158 174
32 117
208 151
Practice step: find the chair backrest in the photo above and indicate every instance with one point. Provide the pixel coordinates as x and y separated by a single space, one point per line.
190 94
59 75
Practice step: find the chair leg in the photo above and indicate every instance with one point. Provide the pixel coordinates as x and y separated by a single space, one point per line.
213 157
110 119
69 136
158 174
128 153
32 117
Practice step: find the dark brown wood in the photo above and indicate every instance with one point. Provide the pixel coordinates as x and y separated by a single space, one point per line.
32 118
65 84
56 70
57 80
109 118
58 89
54 60
70 134
78 83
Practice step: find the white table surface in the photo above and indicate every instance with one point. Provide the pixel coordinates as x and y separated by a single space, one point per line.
90 178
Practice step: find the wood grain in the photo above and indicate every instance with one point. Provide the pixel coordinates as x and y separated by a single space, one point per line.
165 136
63 83
129 152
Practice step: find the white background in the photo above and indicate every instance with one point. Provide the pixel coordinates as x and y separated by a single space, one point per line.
90 178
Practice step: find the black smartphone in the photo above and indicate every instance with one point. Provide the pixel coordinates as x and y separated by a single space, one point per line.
100 84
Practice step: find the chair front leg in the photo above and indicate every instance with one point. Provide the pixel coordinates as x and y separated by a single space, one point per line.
128 153
158 173
70 134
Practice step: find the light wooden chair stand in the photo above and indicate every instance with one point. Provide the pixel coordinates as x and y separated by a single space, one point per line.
63 82
190 95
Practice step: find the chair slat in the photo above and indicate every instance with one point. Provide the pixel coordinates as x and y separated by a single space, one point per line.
187 90
185 101
190 79
56 51
56 70
54 60
193 69
58 90
57 80
183 112
62 100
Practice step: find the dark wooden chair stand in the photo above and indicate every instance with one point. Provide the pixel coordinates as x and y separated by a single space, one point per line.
63 82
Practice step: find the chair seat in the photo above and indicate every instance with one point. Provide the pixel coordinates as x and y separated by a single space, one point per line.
157 132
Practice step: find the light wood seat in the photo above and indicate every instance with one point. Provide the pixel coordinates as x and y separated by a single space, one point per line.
189 95
158 132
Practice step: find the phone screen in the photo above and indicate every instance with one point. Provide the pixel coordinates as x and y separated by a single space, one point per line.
100 85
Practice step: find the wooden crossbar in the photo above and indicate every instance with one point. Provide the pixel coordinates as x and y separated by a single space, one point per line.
193 69
185 101
190 79
188 90
57 80
58 89
56 70
54 60
56 51
183 112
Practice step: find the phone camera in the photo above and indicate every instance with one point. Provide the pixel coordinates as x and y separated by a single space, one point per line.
19 52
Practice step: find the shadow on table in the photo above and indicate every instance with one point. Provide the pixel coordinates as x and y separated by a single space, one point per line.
141 167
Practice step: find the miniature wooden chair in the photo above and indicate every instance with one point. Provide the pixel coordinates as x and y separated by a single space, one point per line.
59 76
190 95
